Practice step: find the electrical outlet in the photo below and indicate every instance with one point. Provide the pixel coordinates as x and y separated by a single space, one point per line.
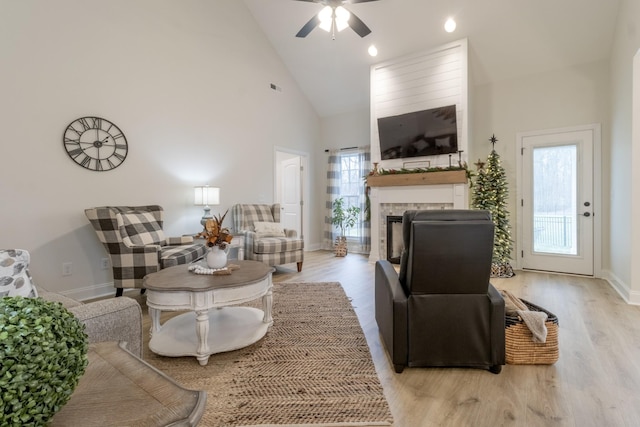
66 269
104 263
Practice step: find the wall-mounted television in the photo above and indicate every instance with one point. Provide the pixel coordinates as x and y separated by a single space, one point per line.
421 133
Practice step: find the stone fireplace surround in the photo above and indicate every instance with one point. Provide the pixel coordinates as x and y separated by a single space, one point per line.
395 200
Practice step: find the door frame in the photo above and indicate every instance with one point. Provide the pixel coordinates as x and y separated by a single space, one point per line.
597 190
304 185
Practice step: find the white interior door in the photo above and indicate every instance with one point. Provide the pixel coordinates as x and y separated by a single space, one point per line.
290 205
557 201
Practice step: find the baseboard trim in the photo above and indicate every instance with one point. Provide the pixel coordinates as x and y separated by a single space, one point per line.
624 290
312 247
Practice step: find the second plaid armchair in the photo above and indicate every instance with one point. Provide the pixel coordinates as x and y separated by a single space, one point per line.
264 238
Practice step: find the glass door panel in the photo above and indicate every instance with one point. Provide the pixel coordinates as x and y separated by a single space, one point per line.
555 219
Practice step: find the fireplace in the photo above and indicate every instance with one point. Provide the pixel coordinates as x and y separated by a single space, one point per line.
395 245
394 200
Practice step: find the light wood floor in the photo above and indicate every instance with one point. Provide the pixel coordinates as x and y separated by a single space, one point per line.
596 381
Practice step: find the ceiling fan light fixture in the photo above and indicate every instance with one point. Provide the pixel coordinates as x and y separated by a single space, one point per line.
342 16
334 18
326 18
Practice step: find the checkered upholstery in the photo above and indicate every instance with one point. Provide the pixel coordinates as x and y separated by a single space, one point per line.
139 229
135 241
269 250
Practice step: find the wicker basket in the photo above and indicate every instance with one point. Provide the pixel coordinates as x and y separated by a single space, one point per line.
520 348
340 246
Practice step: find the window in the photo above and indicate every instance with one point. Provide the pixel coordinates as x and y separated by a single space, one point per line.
345 178
351 185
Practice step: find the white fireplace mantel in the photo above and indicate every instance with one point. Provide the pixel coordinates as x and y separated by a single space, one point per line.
454 196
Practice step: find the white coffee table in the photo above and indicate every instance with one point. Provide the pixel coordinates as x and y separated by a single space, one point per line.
214 324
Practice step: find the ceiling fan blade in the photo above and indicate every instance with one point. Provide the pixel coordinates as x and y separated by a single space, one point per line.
353 1
358 26
309 26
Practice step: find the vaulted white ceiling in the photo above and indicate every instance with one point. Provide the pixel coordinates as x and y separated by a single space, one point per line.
507 38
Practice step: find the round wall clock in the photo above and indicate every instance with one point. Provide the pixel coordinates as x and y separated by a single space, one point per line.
95 143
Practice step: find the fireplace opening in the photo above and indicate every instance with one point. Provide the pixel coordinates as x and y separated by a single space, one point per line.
394 238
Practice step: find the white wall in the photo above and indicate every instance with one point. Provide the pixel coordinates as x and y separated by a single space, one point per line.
187 82
625 157
556 99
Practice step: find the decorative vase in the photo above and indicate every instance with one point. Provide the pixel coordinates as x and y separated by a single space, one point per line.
216 257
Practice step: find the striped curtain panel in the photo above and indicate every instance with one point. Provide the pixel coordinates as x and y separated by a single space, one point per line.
362 243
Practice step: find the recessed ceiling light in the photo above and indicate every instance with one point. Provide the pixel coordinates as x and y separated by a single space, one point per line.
373 51
450 25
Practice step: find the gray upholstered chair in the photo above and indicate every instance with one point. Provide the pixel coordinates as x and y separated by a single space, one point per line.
264 239
137 246
441 310
113 319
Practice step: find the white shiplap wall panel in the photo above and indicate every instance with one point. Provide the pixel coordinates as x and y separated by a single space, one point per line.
427 94
420 61
395 90
417 73
418 82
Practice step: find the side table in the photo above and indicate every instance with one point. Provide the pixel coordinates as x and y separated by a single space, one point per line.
119 389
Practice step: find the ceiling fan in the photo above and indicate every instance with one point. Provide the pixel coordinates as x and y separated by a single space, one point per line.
334 16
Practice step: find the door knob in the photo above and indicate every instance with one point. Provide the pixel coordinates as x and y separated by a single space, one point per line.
587 204
586 214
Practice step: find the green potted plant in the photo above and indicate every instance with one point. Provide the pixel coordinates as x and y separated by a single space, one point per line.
43 349
344 218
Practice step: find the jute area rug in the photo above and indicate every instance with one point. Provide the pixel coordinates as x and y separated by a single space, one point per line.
312 368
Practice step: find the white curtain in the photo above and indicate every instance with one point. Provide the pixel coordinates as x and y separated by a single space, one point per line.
361 244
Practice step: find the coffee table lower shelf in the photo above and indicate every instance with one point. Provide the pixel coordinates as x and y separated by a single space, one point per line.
227 329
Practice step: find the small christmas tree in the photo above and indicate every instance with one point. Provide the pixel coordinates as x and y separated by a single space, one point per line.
490 193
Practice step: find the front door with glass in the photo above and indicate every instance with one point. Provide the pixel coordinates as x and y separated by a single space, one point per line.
556 206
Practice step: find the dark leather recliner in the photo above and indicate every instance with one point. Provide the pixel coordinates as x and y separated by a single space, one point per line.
441 310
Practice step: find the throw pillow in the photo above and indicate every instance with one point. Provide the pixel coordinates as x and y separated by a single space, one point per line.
15 279
140 229
268 229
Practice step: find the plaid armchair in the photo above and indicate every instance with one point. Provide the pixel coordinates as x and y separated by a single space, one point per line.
137 246
264 239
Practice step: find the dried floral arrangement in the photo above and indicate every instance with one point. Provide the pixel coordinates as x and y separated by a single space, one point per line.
214 233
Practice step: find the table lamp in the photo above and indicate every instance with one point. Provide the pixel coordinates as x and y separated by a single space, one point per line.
205 196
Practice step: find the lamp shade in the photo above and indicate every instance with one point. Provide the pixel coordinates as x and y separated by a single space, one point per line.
204 196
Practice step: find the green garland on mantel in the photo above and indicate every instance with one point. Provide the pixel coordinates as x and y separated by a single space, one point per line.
379 171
